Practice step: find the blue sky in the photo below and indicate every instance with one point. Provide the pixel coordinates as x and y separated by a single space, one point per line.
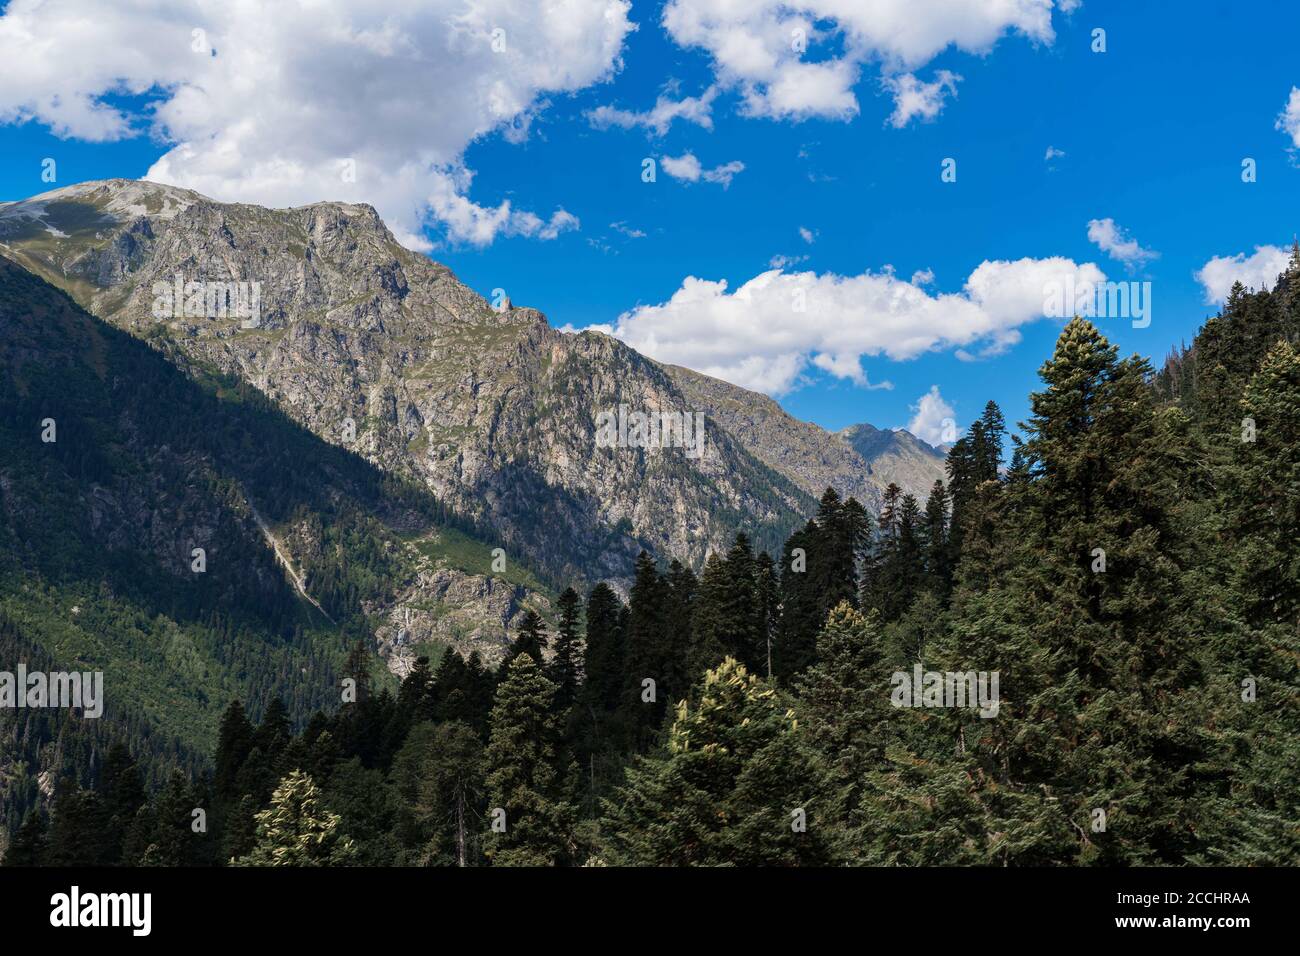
1153 133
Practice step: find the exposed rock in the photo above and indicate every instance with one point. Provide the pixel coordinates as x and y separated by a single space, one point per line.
380 349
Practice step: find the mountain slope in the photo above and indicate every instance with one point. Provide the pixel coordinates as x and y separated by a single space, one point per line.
860 460
117 467
492 409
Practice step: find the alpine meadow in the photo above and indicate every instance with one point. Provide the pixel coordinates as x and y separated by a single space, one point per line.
481 434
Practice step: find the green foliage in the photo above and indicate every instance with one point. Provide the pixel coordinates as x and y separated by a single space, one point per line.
297 830
1133 578
532 822
735 784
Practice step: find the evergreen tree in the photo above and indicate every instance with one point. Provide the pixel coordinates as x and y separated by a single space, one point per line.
273 733
735 784
445 795
768 587
297 830
123 793
710 627
648 652
28 846
795 647
78 830
234 741
171 838
565 669
844 703
934 539
531 824
532 639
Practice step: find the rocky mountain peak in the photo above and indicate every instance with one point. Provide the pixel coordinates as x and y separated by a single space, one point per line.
378 348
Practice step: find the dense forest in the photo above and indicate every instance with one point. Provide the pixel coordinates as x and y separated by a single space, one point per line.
1130 571
96 532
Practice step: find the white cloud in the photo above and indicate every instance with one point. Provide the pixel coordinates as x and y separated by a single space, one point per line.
692 109
807 235
627 230
913 98
1110 239
1053 153
755 44
687 168
757 336
295 90
934 420
1288 120
1256 271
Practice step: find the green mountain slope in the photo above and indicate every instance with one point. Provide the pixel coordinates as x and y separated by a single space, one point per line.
144 464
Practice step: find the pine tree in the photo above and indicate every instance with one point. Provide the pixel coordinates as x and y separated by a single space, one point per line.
844 700
1266 502
357 668
416 697
123 793
768 586
532 639
741 613
297 829
565 669
448 793
680 601
934 540
795 647
234 741
710 625
842 532
171 838
273 733
648 652
1105 685
28 846
78 831
531 823
735 784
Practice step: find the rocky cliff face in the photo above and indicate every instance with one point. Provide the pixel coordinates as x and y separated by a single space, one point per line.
860 460
117 467
381 350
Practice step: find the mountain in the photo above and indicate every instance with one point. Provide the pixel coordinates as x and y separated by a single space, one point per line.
909 462
180 534
380 350
861 460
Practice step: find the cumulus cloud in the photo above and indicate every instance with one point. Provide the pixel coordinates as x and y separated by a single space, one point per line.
765 334
687 168
1289 119
913 98
807 235
933 419
286 103
691 109
1111 239
796 59
1256 271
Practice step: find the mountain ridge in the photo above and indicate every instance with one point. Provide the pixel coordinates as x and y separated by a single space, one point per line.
380 349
